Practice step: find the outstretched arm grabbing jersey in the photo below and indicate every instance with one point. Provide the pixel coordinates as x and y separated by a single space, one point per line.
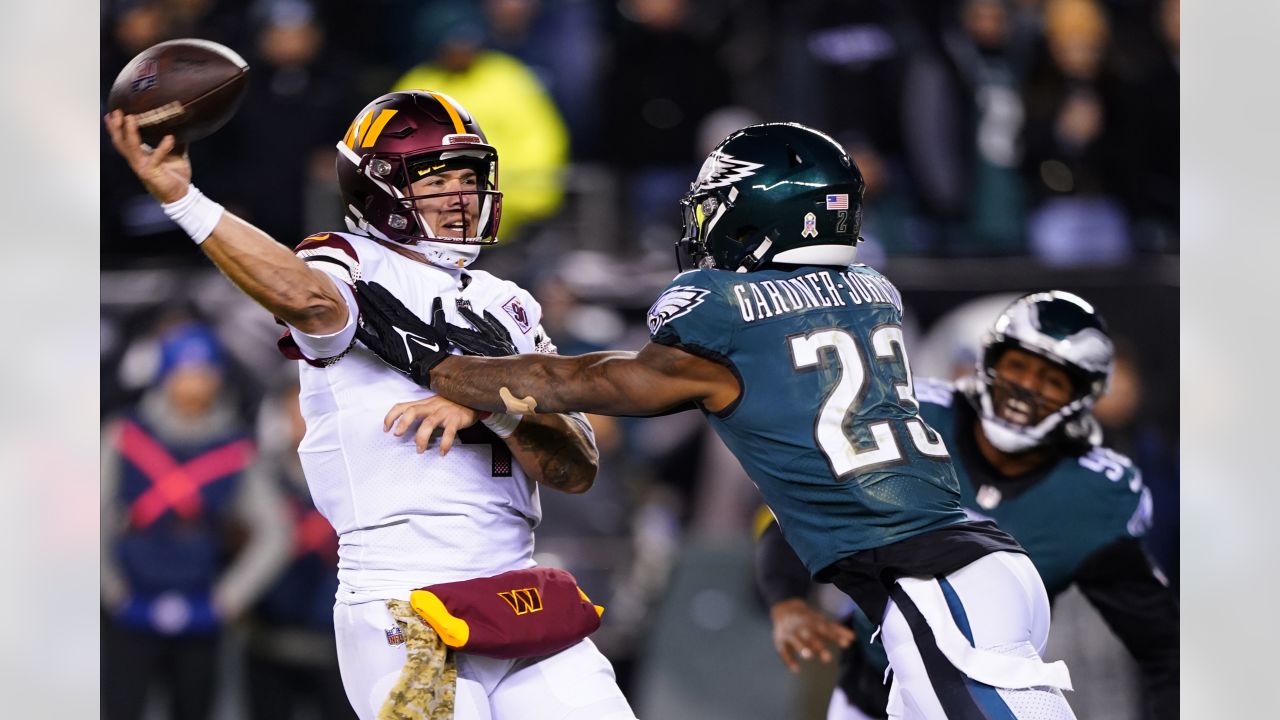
655 379
648 382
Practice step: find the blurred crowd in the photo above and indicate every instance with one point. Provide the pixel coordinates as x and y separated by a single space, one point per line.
1039 134
1046 128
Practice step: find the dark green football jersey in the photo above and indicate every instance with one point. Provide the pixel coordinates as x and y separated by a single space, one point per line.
827 424
1075 508
1064 514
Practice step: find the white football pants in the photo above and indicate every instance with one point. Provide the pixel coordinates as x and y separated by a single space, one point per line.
576 683
841 709
967 646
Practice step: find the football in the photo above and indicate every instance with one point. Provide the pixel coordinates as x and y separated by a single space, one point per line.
186 88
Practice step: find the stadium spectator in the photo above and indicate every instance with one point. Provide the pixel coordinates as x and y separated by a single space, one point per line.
180 491
1150 132
297 101
862 49
652 119
534 140
1073 161
963 115
562 41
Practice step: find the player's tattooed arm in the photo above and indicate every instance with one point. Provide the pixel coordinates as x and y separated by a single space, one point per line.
654 380
556 451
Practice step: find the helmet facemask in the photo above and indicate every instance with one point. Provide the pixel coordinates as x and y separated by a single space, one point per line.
394 175
1016 419
1063 330
701 212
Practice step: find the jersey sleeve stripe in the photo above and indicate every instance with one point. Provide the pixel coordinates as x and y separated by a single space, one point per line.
347 266
328 240
335 267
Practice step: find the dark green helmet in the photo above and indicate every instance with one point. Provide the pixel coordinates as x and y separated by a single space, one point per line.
772 193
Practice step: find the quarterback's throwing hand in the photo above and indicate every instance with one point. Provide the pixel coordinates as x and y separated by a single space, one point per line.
399 337
164 170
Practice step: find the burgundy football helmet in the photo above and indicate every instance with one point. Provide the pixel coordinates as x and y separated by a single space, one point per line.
402 133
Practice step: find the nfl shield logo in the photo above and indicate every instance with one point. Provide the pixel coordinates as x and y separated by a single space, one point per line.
395 636
145 76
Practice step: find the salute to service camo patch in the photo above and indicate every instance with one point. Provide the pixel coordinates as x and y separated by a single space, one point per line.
425 689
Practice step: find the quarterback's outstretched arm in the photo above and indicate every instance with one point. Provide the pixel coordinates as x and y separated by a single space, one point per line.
265 270
656 379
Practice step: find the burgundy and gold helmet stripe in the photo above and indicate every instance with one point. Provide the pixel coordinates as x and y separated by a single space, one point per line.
366 128
451 106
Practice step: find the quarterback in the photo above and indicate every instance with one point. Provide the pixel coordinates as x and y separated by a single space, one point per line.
420 190
796 357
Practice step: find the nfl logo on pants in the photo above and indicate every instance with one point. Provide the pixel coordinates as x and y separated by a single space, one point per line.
395 636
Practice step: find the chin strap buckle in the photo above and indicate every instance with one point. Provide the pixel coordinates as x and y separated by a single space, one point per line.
752 260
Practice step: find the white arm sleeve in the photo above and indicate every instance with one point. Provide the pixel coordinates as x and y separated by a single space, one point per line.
319 347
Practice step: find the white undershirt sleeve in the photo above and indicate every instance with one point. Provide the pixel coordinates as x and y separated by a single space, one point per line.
320 347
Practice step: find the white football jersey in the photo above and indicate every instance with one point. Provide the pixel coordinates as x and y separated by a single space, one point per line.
406 520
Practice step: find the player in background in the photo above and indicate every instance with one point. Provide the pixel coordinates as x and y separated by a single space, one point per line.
796 357
1028 455
419 185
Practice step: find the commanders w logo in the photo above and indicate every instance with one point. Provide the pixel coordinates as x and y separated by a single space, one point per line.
721 169
523 601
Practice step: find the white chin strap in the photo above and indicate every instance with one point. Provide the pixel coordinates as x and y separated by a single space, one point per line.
444 254
447 255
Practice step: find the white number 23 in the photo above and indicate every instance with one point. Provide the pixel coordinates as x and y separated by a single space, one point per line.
829 425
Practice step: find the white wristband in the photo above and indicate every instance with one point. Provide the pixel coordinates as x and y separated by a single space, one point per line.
196 214
502 424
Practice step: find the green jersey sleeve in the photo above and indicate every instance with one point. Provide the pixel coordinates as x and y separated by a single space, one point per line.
693 314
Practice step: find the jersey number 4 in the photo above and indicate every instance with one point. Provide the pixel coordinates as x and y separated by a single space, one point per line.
855 372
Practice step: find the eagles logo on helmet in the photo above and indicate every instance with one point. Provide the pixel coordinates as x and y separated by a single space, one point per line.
399 138
1065 330
752 200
